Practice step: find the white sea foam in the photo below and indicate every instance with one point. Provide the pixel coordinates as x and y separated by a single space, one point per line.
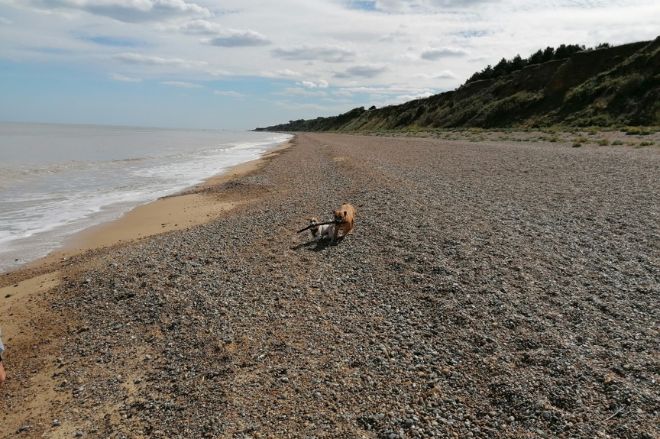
56 180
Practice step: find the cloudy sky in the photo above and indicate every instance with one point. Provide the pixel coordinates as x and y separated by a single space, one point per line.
244 63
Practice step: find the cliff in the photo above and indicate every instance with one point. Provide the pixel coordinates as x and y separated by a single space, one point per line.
610 86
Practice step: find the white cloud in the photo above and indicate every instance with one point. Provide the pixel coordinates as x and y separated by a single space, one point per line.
199 27
238 38
127 10
443 74
228 93
221 36
362 71
442 52
344 93
284 73
138 58
330 54
421 6
217 72
124 78
181 84
321 83
288 73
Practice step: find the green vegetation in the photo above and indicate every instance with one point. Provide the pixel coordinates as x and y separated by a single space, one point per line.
638 131
506 66
610 87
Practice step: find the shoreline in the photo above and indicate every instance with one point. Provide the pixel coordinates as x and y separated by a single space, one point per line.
185 208
27 291
467 286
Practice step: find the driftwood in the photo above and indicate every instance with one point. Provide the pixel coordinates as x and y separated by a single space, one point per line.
617 413
318 224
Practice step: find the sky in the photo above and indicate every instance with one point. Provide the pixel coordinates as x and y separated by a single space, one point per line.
238 64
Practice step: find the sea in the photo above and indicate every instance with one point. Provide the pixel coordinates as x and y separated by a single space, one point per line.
56 180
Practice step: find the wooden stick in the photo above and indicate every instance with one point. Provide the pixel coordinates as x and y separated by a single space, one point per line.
317 224
617 413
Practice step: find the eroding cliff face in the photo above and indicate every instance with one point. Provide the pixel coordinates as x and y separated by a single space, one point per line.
603 87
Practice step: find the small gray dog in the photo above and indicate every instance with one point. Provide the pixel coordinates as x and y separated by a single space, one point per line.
320 231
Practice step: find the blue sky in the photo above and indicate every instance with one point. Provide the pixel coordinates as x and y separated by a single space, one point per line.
241 64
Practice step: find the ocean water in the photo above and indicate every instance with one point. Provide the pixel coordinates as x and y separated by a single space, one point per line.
56 180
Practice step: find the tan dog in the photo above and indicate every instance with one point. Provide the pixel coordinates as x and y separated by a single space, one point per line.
345 218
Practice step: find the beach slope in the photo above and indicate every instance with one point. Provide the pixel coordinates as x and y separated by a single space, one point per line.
489 289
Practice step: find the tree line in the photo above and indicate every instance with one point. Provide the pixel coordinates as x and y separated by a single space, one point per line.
506 66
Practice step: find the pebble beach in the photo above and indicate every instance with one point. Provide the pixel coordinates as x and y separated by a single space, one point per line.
489 289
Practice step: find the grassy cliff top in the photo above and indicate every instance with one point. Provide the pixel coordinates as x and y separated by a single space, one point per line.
605 86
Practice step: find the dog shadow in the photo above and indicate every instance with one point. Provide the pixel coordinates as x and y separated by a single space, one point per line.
317 246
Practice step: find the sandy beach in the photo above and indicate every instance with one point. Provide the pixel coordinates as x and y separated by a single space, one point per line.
492 288
22 292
